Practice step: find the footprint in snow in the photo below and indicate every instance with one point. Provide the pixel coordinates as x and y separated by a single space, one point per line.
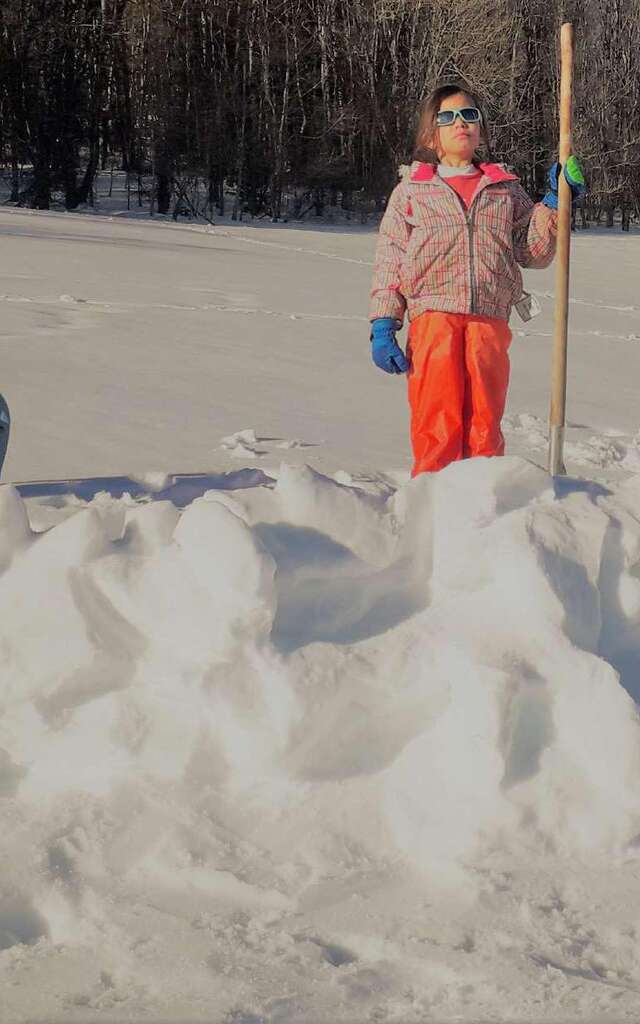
332 953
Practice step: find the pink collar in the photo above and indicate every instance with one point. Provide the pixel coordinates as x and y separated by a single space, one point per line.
494 172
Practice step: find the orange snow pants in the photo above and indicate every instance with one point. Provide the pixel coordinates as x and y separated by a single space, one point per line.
458 379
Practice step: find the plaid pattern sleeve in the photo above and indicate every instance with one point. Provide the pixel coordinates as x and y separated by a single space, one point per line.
393 239
534 231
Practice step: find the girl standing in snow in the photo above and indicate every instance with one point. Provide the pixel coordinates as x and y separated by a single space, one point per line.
450 243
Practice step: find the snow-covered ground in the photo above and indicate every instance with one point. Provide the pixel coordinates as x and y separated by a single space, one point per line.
286 737
130 344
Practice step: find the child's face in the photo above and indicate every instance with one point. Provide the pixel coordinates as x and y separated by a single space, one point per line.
459 139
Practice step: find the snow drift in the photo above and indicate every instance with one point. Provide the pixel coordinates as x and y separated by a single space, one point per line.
317 723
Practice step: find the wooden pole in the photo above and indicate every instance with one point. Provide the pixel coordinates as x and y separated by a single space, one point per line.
559 364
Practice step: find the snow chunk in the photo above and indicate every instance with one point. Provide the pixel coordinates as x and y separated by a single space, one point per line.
346 514
15 531
242 445
229 563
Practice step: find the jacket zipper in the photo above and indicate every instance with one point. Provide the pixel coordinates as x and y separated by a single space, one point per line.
468 216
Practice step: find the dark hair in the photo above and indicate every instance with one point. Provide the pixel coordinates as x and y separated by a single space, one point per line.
425 132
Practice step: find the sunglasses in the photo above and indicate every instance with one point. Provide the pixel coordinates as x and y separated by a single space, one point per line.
470 115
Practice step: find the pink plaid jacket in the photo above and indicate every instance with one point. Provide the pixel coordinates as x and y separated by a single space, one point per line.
432 254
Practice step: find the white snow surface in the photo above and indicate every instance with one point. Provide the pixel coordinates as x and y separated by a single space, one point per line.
289 737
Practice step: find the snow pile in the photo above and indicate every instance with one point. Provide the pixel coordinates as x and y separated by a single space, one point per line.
270 743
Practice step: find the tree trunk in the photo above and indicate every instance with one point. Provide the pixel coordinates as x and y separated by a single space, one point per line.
15 179
163 172
41 193
163 192
221 194
86 187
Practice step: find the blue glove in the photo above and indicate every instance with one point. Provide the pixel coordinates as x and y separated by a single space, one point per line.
385 351
574 177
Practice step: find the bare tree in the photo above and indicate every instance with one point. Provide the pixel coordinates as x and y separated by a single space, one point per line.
293 104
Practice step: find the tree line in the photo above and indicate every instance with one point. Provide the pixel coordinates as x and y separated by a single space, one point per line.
291 104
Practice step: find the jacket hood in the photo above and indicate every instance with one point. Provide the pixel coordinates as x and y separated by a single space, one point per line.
427 172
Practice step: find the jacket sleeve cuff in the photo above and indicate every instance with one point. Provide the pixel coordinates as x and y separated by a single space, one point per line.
391 305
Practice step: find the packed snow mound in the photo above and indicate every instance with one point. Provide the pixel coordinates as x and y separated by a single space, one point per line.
236 708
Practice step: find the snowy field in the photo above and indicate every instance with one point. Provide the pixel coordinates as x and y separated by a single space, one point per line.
286 738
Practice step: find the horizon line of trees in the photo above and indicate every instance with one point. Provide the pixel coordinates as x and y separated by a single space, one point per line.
315 98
